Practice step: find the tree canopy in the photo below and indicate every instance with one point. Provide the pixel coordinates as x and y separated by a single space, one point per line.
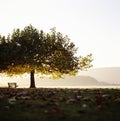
46 53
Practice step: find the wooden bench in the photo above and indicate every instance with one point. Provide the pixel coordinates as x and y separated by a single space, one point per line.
12 85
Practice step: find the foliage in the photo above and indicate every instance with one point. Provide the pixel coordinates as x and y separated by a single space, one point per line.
85 62
47 53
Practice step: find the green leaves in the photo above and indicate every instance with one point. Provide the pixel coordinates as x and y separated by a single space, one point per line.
48 53
85 62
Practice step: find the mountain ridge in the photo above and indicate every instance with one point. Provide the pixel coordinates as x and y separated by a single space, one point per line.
105 74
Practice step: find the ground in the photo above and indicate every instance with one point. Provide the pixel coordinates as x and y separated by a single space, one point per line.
59 104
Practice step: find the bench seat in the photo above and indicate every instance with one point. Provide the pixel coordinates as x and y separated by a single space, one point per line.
12 85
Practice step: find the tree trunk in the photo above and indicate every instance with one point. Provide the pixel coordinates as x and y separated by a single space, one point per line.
32 79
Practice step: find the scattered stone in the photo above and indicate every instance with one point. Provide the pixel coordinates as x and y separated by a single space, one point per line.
84 105
78 96
12 100
23 98
71 100
46 111
86 99
22 93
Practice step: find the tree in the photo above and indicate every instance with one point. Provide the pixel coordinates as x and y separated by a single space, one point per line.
30 50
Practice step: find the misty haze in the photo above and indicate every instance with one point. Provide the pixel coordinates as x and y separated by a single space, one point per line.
99 77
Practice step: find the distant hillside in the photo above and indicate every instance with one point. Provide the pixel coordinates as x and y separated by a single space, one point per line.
72 81
109 75
84 81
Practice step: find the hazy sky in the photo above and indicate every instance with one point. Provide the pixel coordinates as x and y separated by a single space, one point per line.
93 25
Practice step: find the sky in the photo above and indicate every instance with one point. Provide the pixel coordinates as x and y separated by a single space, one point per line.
93 25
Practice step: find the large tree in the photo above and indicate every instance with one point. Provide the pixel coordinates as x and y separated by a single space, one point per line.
30 50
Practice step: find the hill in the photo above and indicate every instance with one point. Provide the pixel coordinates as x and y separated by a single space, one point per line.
109 75
73 81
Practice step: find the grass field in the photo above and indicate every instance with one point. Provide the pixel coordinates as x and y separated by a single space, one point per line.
59 104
